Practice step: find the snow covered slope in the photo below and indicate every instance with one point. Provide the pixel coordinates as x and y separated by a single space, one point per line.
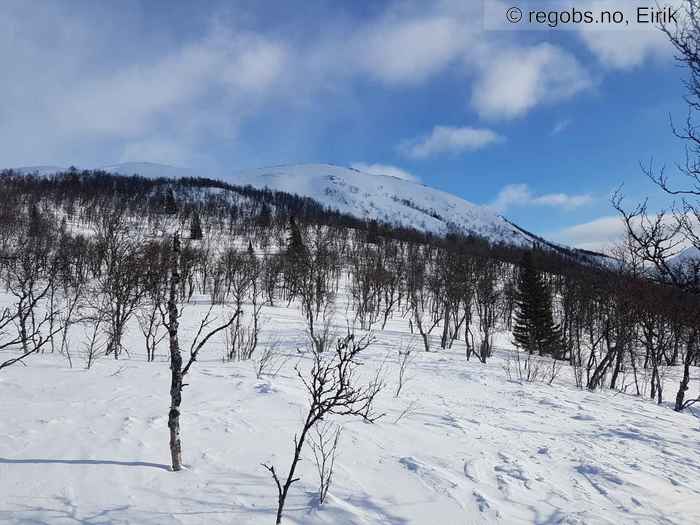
384 198
460 445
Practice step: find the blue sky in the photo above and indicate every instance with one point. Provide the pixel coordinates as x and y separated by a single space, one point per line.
541 125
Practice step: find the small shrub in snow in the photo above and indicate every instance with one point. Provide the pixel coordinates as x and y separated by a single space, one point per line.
269 362
331 385
324 444
404 359
524 366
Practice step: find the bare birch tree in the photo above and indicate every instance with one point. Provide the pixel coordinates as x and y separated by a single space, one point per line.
177 371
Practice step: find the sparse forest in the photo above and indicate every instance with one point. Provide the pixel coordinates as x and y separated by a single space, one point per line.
109 263
309 366
118 258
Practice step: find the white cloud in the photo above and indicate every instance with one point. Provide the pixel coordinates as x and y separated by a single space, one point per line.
156 150
80 91
606 232
415 42
599 235
513 81
385 169
521 195
131 100
508 78
408 51
628 48
451 140
78 95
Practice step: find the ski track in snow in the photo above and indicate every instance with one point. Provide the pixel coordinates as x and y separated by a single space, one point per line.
90 447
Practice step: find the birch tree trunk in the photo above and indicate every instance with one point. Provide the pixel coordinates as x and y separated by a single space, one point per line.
175 360
689 357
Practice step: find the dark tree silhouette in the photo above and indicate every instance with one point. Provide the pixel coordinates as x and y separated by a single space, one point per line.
535 330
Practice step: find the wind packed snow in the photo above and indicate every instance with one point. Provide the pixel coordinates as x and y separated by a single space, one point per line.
91 446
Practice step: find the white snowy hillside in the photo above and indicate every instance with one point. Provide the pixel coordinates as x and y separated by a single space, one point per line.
384 198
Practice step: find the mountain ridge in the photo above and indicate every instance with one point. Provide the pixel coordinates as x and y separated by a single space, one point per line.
384 198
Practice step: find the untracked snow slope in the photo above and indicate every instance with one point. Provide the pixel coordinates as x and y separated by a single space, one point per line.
91 446
384 198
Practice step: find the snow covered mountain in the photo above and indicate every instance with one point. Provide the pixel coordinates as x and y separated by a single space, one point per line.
366 196
400 202
384 198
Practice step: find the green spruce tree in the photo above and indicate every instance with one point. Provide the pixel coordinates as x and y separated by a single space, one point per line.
296 258
534 329
295 244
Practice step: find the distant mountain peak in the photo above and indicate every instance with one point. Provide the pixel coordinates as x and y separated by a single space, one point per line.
383 198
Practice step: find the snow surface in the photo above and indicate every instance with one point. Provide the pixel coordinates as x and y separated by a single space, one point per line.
90 446
384 198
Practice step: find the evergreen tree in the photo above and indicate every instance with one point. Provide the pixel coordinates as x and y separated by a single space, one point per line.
534 329
196 227
373 232
296 258
295 244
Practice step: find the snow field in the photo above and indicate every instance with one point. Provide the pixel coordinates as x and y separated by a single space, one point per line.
469 446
